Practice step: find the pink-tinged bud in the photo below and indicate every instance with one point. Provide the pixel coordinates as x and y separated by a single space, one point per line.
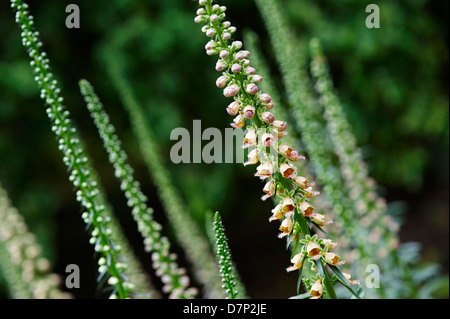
238 56
267 139
224 53
249 111
269 189
250 138
222 81
201 11
214 18
211 52
232 29
245 62
267 117
226 24
252 157
279 125
286 227
216 7
250 70
236 45
233 108
236 68
199 19
202 2
269 106
264 170
245 53
265 98
210 45
251 88
257 78
210 32
287 170
231 90
238 121
226 36
221 65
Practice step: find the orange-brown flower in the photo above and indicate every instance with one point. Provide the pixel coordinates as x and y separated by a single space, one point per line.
316 290
306 209
297 261
313 250
286 227
332 259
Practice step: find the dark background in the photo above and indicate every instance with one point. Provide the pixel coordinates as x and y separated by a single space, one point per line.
393 83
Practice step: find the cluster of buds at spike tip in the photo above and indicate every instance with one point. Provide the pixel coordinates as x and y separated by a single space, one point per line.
251 108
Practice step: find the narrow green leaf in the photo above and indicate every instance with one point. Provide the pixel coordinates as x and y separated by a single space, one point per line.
306 295
321 229
326 279
344 280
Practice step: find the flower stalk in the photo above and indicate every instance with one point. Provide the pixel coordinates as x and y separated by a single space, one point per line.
175 280
87 192
274 157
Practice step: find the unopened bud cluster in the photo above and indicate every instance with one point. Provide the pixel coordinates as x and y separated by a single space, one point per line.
240 82
24 253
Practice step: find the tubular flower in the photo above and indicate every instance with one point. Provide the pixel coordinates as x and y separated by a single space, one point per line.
313 250
288 152
328 243
252 157
319 219
288 206
332 259
297 261
264 170
301 181
269 189
287 171
250 139
277 212
351 282
306 209
286 227
316 290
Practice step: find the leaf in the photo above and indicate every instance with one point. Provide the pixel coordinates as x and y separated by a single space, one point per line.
326 280
299 281
302 223
305 295
321 229
344 281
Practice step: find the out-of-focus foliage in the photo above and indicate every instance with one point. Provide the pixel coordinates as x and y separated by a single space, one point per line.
392 81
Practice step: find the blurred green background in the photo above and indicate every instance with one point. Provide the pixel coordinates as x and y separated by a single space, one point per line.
393 82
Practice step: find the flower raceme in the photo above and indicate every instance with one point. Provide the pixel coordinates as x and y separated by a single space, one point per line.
250 106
